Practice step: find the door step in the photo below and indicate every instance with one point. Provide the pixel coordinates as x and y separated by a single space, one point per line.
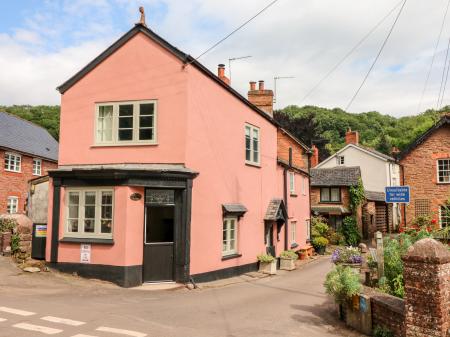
153 286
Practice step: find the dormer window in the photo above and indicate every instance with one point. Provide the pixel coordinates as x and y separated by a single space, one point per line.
126 123
340 160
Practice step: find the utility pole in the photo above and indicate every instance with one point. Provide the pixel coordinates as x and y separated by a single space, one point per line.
234 59
275 79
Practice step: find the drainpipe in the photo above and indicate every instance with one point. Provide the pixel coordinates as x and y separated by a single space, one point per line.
285 187
403 182
308 240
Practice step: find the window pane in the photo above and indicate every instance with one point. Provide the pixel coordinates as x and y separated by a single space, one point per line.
146 121
89 198
146 109
325 194
145 134
73 225
73 212
247 148
335 194
126 134
126 110
125 122
89 226
106 226
74 198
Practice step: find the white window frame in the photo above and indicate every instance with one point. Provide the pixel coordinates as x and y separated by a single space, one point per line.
293 232
304 182
308 229
292 182
437 170
81 213
115 124
13 162
340 160
441 217
226 227
252 129
37 167
12 202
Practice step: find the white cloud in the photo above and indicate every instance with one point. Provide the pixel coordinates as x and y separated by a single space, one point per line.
293 38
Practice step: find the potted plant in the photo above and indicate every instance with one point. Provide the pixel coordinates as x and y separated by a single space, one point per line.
319 244
303 254
347 256
267 264
287 260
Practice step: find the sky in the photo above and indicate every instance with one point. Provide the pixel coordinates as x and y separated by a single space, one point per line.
43 43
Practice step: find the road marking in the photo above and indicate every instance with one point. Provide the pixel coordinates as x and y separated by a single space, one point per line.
37 328
17 312
81 335
66 321
121 331
3 319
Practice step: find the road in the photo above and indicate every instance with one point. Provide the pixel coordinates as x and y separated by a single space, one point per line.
292 304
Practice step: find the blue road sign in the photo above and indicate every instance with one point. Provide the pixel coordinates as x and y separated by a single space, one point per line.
397 194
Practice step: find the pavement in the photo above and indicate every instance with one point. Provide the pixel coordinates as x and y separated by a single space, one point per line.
48 303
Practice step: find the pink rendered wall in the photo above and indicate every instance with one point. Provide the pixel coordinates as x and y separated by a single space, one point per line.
139 70
299 209
127 233
216 148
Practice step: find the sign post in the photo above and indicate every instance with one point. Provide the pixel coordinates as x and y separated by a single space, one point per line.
397 194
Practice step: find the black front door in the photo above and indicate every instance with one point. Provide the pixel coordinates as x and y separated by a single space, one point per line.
159 238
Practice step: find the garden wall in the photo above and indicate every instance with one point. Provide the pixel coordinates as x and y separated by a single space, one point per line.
388 312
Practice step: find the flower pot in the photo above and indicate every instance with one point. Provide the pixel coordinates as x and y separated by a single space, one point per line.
320 250
287 264
268 267
303 256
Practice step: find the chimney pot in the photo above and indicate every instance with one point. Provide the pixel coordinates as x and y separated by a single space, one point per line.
352 137
221 73
261 85
252 85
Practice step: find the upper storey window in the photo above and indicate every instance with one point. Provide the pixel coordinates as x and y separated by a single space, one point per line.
252 144
126 123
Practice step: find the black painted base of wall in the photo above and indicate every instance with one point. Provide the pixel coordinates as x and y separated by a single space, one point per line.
126 276
225 273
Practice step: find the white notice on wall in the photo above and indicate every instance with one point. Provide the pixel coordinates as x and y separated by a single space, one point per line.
85 253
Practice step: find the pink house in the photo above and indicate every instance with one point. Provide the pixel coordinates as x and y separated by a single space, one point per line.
168 174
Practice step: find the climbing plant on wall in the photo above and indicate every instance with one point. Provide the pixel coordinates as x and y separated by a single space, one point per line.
357 195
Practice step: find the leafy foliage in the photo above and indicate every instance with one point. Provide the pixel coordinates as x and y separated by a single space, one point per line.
357 195
346 255
327 127
350 231
380 331
342 283
265 258
7 224
289 254
43 115
15 243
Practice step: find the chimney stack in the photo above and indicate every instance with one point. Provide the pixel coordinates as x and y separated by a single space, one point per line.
395 151
315 156
352 137
261 97
221 73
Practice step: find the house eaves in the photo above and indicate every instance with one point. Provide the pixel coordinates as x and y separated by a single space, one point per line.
186 59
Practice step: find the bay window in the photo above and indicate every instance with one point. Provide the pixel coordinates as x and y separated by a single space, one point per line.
89 213
126 123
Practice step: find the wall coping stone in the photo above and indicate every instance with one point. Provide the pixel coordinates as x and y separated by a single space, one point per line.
428 251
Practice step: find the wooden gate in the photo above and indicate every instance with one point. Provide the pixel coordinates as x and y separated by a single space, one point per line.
381 217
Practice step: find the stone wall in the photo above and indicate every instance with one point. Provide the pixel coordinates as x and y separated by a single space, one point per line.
388 312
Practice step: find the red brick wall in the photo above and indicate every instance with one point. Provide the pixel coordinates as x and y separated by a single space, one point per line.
299 156
388 312
419 168
15 184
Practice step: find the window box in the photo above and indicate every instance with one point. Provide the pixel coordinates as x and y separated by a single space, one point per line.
126 123
89 213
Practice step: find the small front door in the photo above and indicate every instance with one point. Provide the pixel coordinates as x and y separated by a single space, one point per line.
270 247
159 243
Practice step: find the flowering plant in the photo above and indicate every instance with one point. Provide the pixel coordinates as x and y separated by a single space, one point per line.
346 255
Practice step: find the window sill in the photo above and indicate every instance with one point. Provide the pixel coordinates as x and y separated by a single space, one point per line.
125 144
13 171
331 202
248 163
294 195
443 183
231 256
87 240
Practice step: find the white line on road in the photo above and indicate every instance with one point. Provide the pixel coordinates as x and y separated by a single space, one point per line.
121 331
17 312
3 319
37 328
81 335
66 321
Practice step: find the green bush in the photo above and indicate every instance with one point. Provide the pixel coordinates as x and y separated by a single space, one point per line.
350 231
289 254
342 283
319 241
265 258
7 224
335 238
319 226
382 332
15 241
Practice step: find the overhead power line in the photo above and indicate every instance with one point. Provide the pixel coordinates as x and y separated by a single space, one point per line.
234 31
433 58
337 65
378 55
444 75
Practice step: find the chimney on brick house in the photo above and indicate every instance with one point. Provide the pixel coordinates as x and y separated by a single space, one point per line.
352 137
261 97
315 156
395 151
221 73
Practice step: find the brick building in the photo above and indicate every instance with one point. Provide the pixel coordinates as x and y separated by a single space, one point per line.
425 168
28 151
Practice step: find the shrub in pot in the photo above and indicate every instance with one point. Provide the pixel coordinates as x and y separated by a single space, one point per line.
267 264
320 243
287 260
342 283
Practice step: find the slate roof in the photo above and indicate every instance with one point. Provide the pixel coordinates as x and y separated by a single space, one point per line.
375 152
445 120
336 176
23 136
169 168
276 210
237 209
374 196
325 209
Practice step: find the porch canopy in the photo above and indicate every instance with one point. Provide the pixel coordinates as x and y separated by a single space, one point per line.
330 209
